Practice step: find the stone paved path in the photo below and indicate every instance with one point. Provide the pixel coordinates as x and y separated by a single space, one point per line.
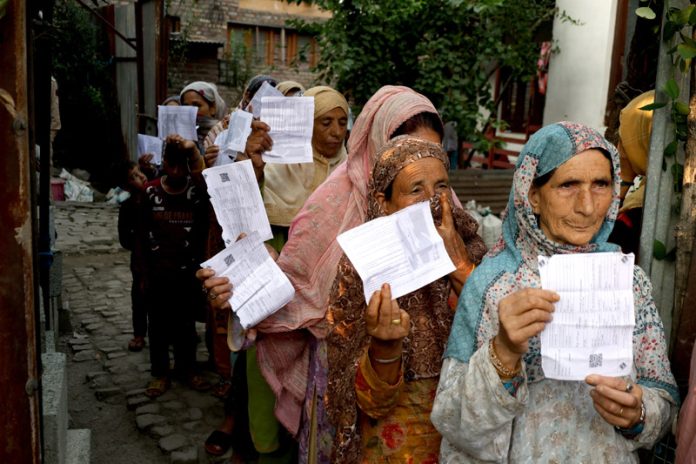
96 292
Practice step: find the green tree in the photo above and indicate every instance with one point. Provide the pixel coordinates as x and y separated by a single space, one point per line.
445 49
90 137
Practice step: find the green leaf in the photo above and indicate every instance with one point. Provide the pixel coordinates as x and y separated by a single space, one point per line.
685 14
672 89
659 250
686 51
646 12
669 30
692 17
653 106
671 149
682 108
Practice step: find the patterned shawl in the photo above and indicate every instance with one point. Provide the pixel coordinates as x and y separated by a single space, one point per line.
512 263
430 315
311 255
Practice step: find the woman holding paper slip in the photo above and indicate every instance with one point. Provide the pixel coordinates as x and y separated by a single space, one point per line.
311 255
287 186
494 403
376 366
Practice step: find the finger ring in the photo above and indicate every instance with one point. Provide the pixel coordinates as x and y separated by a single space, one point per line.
212 295
396 321
629 386
203 289
621 412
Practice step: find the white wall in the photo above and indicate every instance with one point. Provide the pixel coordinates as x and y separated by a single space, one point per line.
579 73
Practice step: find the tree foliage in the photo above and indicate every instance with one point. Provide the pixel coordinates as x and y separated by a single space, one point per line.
445 49
90 137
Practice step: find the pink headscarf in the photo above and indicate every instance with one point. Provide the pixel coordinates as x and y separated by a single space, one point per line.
311 255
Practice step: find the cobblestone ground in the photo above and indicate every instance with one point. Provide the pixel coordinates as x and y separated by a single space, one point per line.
106 381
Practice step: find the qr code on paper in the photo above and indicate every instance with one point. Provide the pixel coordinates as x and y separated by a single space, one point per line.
224 177
596 360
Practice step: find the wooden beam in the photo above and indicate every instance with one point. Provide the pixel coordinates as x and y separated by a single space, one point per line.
19 402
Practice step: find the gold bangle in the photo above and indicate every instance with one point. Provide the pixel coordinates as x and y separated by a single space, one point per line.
500 368
471 269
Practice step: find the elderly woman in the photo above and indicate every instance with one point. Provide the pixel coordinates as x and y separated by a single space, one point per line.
311 255
381 361
493 402
287 186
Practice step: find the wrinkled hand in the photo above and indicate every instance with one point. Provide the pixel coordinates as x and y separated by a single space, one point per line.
522 315
454 244
384 319
211 154
258 141
613 402
217 289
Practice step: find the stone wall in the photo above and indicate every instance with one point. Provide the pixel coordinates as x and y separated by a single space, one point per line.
202 65
204 23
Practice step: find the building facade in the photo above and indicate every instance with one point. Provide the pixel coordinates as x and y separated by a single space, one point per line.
229 41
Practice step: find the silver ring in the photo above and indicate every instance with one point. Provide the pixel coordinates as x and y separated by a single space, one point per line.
203 289
621 412
629 386
212 295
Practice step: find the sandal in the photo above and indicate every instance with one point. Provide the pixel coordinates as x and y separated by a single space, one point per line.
222 389
157 387
198 383
218 443
136 344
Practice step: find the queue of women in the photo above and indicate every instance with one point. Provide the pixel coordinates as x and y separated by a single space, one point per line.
452 371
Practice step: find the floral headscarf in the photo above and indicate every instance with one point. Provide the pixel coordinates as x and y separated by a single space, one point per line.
512 263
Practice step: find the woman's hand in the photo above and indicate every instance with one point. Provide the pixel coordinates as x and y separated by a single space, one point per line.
387 324
211 154
454 244
522 315
618 400
218 289
384 320
257 143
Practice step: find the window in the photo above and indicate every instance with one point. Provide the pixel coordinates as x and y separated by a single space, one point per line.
272 46
174 24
